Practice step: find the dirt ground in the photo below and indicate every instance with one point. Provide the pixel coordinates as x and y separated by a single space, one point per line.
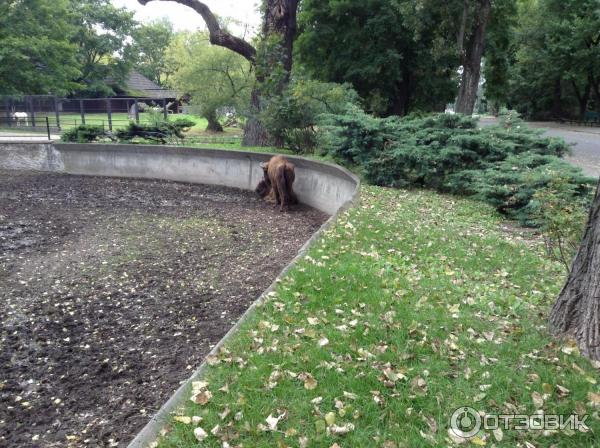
112 291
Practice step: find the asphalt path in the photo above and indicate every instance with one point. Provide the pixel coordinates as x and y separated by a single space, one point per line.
585 143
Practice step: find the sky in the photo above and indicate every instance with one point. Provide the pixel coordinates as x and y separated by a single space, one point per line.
184 18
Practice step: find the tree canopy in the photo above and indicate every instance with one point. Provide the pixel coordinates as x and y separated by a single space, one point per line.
103 33
216 78
552 60
390 51
148 51
37 49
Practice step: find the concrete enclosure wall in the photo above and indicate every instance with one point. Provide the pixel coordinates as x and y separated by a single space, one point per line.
323 186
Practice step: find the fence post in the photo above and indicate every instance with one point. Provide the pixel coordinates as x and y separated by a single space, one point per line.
109 112
56 112
165 111
82 111
137 111
29 101
48 127
7 106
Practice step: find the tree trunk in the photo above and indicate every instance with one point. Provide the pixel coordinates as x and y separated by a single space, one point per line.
576 312
255 134
213 123
472 52
274 65
595 82
401 101
557 99
582 98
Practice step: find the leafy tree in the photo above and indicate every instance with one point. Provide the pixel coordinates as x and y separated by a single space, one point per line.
293 117
102 35
272 60
148 52
215 78
392 52
554 69
36 53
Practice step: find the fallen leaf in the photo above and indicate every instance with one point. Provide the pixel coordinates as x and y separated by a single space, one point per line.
272 422
183 419
200 434
340 430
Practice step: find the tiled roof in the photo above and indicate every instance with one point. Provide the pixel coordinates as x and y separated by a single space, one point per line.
139 83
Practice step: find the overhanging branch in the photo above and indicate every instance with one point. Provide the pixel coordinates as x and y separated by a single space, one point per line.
218 36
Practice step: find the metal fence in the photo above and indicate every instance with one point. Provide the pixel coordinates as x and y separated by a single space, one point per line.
38 113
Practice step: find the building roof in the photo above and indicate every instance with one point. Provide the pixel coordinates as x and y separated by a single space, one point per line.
136 83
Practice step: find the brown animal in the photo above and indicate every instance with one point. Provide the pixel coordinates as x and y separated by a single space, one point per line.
277 182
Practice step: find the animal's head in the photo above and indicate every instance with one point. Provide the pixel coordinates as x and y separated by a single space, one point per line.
265 168
263 188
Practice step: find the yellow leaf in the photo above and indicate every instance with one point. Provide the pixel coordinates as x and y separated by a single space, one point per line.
478 441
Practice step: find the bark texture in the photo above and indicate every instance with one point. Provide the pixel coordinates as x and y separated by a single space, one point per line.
280 23
213 123
471 48
576 312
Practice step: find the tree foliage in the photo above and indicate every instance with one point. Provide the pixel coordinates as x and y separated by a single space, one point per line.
217 79
103 33
149 51
553 59
392 52
37 53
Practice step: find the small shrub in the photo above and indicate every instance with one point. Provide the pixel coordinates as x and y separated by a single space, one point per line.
159 132
292 118
561 219
85 133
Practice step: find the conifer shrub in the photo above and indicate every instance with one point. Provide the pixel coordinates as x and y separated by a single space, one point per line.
503 165
85 133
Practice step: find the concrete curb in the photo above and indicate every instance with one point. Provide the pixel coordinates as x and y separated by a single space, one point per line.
151 431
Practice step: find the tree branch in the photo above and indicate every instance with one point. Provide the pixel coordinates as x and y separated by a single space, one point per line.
218 36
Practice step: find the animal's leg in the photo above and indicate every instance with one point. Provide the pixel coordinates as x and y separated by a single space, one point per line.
283 184
275 187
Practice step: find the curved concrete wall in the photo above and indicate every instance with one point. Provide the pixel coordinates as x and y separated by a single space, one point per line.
324 186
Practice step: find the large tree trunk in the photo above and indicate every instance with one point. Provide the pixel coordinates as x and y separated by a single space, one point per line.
583 98
274 65
557 99
576 312
255 134
213 123
471 54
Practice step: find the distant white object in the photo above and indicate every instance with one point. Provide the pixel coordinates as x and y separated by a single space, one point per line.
449 111
20 118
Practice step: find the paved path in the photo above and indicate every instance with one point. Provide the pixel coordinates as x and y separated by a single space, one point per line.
586 141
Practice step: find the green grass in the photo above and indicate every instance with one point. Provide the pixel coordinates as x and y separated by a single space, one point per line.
413 305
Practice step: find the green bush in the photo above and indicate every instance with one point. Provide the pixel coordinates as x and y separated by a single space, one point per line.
504 166
561 219
292 118
85 133
158 132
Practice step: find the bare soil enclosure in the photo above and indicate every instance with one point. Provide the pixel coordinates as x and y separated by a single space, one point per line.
113 290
